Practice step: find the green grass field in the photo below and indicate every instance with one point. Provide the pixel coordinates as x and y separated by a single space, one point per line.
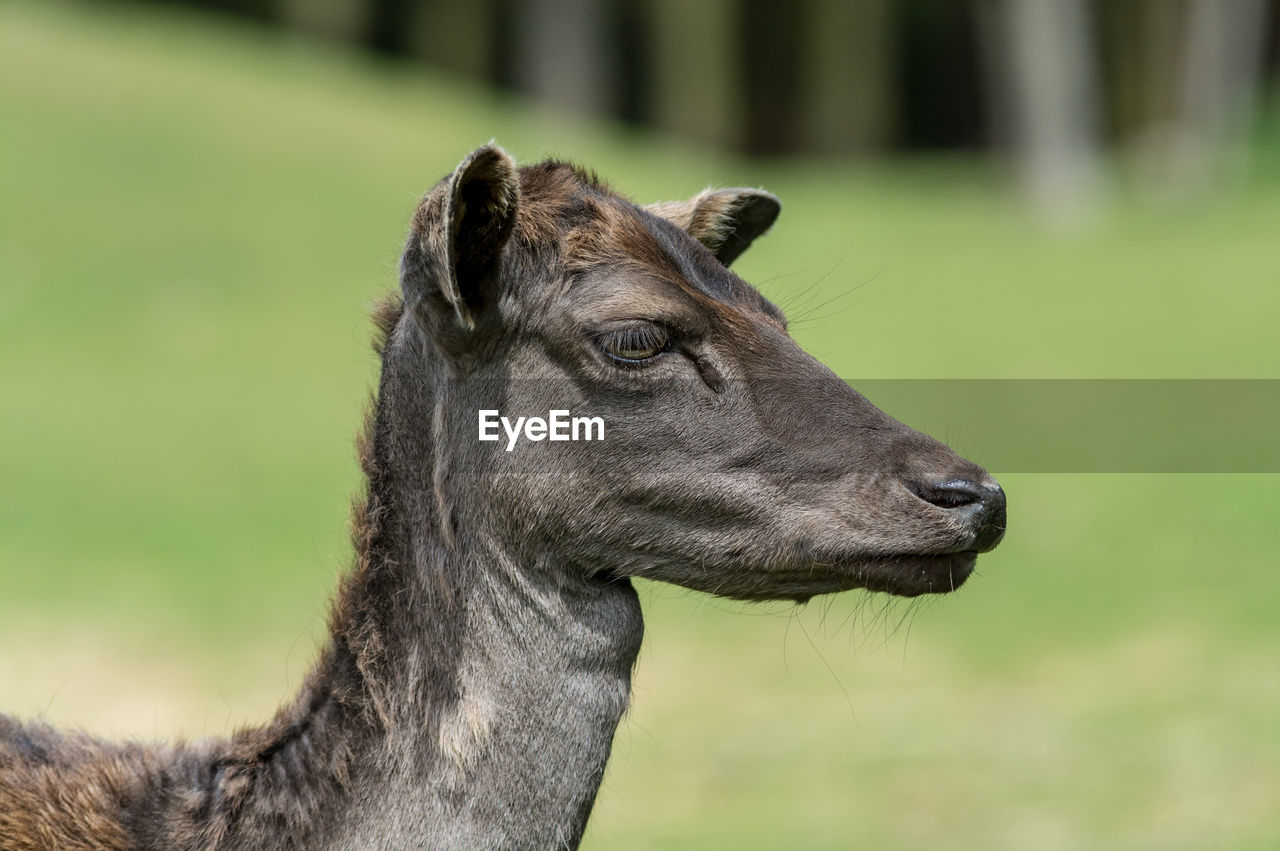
194 218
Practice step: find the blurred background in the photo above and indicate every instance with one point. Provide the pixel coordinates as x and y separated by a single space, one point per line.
198 203
1047 85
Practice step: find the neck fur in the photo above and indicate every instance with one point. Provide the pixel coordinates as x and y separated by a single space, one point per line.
466 699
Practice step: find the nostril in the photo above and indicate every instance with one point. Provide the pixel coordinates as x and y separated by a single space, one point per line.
955 493
981 506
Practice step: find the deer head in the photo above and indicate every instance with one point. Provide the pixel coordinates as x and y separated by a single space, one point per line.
732 461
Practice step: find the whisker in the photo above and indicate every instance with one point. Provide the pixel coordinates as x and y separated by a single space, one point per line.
848 700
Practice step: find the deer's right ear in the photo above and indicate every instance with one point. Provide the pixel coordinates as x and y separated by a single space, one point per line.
450 264
726 221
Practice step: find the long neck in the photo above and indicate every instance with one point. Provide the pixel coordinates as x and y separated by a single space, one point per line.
466 699
503 738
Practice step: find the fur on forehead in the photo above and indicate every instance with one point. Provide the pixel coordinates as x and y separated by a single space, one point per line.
571 211
556 197
570 217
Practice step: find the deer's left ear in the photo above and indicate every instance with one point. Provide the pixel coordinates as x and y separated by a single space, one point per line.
726 221
450 265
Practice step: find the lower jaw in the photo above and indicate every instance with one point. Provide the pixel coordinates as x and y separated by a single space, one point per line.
913 575
902 576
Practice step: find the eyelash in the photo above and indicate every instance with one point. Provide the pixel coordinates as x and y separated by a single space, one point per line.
648 338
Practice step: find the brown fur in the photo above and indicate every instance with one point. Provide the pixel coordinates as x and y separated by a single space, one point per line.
71 804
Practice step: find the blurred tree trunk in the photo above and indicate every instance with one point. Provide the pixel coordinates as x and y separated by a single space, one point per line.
387 25
847 69
693 62
560 53
262 10
1041 65
455 36
941 101
1217 84
770 43
1140 46
343 20
1272 49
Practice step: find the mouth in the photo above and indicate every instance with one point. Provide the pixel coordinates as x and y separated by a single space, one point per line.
913 575
907 575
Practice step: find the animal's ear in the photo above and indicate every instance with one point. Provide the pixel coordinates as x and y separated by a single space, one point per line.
448 272
726 221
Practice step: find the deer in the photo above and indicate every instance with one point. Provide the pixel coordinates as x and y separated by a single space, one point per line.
480 647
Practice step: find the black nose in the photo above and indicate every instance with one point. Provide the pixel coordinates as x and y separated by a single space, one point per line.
983 506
